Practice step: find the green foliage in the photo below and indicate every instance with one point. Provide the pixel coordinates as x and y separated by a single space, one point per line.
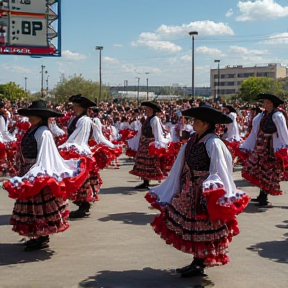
253 86
78 85
12 91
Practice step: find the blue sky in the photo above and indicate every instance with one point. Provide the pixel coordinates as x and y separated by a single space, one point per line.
149 39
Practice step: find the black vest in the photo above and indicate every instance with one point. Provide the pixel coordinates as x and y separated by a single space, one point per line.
147 129
29 143
267 124
196 155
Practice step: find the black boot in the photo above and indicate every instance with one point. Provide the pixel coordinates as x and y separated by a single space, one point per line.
184 269
263 201
80 213
85 206
257 199
196 269
144 185
38 243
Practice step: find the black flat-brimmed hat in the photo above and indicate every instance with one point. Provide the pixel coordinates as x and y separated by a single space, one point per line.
231 109
207 114
82 101
39 108
152 104
274 99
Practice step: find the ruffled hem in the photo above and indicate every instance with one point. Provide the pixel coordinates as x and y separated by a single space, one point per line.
127 134
282 154
40 228
61 186
104 155
60 140
130 152
160 152
225 209
147 176
233 147
256 182
192 247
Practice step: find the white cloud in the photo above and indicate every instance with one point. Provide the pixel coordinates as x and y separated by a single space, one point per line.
209 51
158 45
15 68
281 38
110 60
160 39
206 27
229 13
245 51
72 56
245 55
118 45
261 10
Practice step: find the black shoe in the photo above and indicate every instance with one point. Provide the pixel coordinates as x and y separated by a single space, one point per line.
264 205
255 199
183 269
142 186
78 214
193 272
38 246
44 239
32 241
85 206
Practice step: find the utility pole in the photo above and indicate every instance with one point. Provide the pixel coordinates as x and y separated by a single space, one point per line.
138 78
25 83
100 48
42 89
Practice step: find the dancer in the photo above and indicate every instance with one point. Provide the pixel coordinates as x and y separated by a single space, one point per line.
79 131
45 181
148 167
265 165
199 200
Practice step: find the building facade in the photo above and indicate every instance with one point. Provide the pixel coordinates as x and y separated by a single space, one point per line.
231 77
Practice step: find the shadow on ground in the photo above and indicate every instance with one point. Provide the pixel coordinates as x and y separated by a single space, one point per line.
4 220
118 190
14 254
274 250
251 208
146 278
242 183
134 218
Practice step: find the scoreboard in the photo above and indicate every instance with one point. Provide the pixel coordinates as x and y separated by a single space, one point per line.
30 27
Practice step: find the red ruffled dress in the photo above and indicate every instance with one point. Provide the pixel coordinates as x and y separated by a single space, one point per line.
43 185
197 219
79 131
147 166
263 167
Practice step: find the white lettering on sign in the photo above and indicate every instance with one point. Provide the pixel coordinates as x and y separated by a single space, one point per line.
15 50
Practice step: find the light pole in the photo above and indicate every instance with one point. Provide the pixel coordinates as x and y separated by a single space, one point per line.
25 83
218 84
138 78
193 33
100 48
147 85
47 84
42 89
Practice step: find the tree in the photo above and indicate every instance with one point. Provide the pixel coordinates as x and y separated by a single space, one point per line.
79 85
11 91
253 86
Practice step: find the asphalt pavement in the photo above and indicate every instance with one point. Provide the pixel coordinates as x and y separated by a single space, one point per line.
115 247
